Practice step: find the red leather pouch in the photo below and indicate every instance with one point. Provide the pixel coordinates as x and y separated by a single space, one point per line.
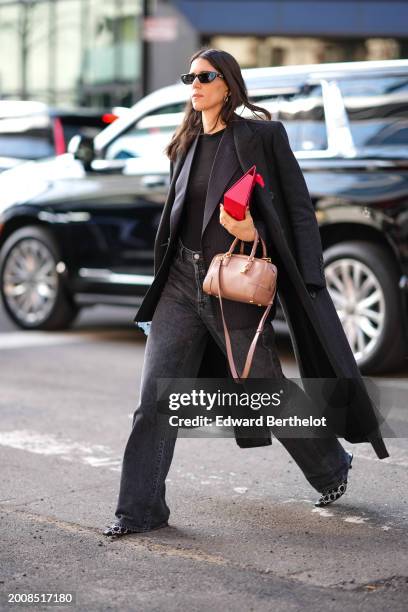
237 197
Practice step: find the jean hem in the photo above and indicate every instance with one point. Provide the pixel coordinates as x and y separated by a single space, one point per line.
336 482
142 529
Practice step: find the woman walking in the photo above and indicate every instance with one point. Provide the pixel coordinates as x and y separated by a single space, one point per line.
208 153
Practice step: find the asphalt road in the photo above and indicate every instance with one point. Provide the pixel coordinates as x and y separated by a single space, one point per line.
244 533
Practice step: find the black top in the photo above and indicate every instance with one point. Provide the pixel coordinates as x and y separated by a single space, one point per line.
191 222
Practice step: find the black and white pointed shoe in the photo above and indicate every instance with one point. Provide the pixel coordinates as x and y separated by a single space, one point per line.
116 529
329 496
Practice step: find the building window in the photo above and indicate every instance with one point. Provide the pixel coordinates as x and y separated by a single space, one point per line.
252 51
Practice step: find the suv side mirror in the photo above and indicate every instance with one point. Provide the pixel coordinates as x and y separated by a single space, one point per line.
82 148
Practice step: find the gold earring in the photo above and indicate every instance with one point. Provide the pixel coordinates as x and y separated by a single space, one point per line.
226 97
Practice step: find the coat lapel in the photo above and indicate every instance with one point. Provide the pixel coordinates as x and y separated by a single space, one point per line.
249 148
248 145
181 185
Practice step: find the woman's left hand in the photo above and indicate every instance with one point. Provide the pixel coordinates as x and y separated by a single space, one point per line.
244 230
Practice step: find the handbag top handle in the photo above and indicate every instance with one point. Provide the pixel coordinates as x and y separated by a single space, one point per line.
254 247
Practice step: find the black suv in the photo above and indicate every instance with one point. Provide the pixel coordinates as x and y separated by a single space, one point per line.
79 229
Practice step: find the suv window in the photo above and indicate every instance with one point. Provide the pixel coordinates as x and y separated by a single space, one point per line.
377 109
302 114
35 136
89 125
177 107
149 136
26 137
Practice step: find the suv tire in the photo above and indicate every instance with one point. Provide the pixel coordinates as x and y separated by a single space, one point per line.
33 291
362 280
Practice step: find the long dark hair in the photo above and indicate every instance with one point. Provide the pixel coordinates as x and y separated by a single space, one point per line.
192 122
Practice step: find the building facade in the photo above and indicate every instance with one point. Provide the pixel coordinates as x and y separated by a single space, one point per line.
111 52
70 52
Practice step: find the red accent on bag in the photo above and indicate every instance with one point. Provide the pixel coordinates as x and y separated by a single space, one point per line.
237 197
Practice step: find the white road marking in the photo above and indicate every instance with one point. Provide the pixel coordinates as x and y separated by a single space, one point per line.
392 383
326 513
356 519
398 456
323 512
16 340
95 455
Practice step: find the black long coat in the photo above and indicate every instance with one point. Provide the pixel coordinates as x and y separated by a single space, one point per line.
284 215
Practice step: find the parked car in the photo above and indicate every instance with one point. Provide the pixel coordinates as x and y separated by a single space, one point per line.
33 130
79 229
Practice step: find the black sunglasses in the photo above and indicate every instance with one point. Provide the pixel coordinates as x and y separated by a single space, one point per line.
203 77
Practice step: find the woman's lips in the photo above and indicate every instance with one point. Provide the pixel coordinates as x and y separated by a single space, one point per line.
196 96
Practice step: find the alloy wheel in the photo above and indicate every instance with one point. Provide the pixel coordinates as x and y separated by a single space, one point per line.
359 300
30 281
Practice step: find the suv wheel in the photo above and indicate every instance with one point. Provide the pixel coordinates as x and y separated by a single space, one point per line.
363 283
32 289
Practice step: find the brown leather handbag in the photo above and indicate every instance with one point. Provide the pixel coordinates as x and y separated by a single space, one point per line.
242 278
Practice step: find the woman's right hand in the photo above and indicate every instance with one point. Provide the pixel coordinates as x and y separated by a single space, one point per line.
244 230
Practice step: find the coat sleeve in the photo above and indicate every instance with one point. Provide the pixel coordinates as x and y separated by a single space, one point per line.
301 211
